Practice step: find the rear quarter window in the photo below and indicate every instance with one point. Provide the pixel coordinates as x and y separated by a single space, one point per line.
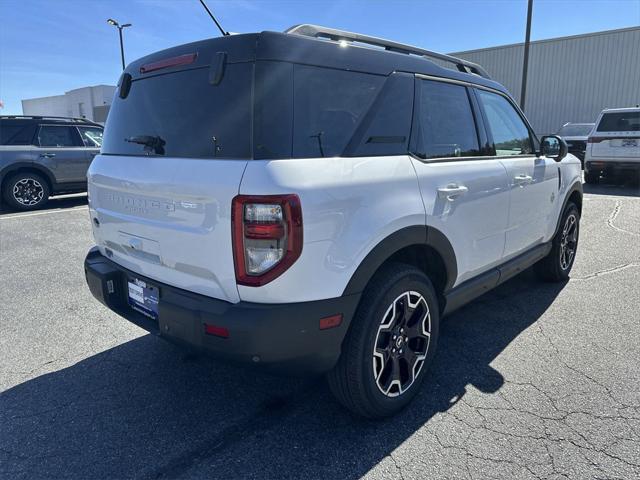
17 134
619 122
328 107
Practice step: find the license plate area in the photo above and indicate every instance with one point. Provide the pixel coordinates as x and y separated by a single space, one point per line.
143 297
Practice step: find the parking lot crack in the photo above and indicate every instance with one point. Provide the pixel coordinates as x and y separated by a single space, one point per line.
614 214
398 469
607 271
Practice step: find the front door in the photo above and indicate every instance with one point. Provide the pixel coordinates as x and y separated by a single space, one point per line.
533 180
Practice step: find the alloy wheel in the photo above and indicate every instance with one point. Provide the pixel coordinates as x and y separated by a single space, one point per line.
28 192
401 344
568 241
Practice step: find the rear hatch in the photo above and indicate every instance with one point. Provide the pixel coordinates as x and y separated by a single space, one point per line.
176 144
617 136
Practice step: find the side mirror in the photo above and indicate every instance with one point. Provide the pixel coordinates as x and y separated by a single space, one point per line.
553 146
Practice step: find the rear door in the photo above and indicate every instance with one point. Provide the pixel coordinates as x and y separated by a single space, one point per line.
617 136
175 149
63 152
465 194
533 180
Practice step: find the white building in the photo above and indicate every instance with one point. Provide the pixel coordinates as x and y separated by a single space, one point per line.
91 103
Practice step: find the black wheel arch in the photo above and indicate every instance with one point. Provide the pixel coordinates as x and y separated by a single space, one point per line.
574 194
28 167
423 237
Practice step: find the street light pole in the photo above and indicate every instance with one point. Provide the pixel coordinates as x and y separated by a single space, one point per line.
112 22
525 66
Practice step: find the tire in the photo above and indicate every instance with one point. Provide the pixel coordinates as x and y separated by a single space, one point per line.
361 375
591 178
556 266
26 191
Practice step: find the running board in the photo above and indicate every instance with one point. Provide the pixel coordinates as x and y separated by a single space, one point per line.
472 289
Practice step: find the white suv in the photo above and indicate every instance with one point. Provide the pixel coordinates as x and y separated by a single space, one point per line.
613 147
315 201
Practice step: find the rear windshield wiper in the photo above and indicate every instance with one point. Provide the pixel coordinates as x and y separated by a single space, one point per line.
152 144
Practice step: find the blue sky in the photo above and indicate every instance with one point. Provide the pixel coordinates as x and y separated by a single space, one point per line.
48 47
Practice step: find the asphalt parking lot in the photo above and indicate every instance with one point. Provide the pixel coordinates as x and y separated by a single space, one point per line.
531 381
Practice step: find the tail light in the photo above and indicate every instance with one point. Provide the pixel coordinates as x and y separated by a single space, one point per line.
596 139
267 236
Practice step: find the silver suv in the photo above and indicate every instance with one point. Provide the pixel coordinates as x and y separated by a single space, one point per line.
42 156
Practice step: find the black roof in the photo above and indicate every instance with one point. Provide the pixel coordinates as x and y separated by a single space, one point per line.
305 49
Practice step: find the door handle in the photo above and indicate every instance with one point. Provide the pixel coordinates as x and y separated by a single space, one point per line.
47 155
522 179
451 192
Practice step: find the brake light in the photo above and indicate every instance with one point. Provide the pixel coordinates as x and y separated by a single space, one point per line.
267 236
169 62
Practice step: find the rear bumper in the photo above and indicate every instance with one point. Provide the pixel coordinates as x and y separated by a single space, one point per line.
612 167
284 338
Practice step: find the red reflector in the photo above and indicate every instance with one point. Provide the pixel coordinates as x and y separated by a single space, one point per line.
264 230
216 331
330 322
169 62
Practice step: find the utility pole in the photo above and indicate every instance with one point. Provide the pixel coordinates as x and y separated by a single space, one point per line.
111 21
525 65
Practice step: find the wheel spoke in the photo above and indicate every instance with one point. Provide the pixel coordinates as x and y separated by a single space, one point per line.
391 374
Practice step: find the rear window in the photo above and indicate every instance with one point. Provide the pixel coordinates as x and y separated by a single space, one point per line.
620 122
183 115
575 130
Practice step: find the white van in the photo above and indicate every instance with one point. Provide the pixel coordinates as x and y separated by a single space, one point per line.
613 147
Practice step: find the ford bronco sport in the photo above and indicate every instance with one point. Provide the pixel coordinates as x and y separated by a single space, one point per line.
315 201
41 156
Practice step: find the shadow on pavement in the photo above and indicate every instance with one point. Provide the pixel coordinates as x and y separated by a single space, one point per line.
54 203
144 409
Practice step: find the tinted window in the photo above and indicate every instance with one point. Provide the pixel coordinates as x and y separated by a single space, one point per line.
16 134
620 122
510 133
57 136
181 114
328 106
575 130
445 123
92 137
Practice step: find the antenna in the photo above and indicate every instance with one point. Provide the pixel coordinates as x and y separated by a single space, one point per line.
214 19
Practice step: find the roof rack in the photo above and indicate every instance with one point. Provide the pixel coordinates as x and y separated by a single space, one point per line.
316 31
49 117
